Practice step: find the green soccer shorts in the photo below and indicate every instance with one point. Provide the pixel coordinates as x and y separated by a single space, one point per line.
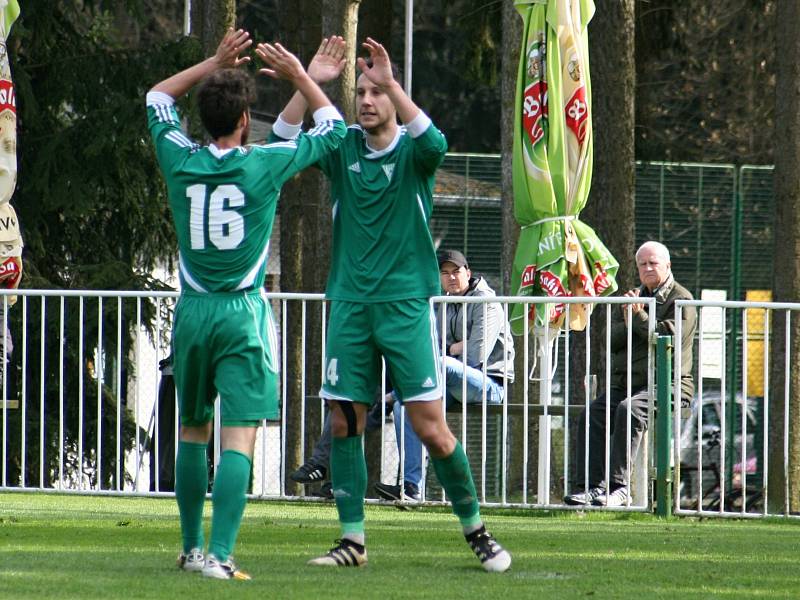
360 333
225 344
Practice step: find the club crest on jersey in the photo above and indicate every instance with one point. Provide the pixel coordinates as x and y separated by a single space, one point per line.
388 169
355 167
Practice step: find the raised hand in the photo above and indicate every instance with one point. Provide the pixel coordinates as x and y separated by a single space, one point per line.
281 64
381 71
634 308
329 61
233 44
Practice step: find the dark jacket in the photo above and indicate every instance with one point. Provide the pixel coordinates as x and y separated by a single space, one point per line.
494 332
665 325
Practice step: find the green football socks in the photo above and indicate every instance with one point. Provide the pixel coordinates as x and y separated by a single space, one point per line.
191 485
349 480
229 498
455 476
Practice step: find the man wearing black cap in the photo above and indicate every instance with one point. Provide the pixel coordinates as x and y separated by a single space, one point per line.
488 342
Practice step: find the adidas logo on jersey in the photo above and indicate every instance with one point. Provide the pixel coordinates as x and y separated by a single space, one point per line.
388 169
428 383
355 167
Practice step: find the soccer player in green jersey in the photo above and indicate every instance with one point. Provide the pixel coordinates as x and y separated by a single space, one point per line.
383 273
223 199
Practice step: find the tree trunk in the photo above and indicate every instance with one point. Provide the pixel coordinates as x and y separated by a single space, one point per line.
512 39
342 16
210 20
786 279
306 225
610 210
299 208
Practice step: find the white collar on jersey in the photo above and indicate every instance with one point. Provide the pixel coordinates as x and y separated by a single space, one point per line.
218 152
373 154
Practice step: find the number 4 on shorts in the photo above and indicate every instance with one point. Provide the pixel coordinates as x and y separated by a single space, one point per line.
330 374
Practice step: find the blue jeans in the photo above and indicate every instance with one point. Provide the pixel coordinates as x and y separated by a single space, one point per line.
456 373
412 458
454 376
412 461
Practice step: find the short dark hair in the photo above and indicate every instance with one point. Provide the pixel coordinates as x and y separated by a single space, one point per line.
222 98
395 69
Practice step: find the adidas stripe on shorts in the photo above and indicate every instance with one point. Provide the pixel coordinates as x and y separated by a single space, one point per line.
359 334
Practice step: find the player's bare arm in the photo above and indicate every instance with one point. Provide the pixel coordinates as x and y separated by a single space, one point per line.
327 64
381 75
228 55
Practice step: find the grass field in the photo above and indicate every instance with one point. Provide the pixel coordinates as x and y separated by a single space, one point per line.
56 546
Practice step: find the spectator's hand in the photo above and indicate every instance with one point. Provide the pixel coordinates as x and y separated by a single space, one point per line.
281 64
456 349
233 44
634 308
381 71
329 61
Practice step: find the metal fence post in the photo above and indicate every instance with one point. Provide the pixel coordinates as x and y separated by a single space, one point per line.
664 473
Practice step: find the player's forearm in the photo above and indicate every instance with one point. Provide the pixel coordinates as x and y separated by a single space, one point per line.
295 109
311 93
406 109
180 83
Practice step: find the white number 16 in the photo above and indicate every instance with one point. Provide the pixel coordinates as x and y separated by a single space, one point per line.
225 226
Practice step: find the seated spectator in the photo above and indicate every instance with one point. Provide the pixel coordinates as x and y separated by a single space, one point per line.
488 335
655 274
487 332
315 469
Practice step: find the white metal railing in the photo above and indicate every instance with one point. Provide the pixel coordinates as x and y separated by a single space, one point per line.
88 387
721 466
82 382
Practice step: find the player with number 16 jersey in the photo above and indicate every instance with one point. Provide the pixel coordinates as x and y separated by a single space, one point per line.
223 203
223 199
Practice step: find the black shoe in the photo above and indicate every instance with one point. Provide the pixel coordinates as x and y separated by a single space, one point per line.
393 493
346 553
493 556
324 491
584 498
309 473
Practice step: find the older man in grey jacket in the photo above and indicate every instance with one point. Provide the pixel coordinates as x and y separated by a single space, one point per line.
487 341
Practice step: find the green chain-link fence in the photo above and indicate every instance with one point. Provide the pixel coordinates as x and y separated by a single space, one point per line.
715 219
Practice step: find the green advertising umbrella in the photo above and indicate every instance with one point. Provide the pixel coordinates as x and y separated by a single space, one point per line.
557 254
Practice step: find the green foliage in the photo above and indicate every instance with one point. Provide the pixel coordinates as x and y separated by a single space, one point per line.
90 200
92 205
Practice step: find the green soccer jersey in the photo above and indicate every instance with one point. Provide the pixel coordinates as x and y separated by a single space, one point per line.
382 204
223 202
